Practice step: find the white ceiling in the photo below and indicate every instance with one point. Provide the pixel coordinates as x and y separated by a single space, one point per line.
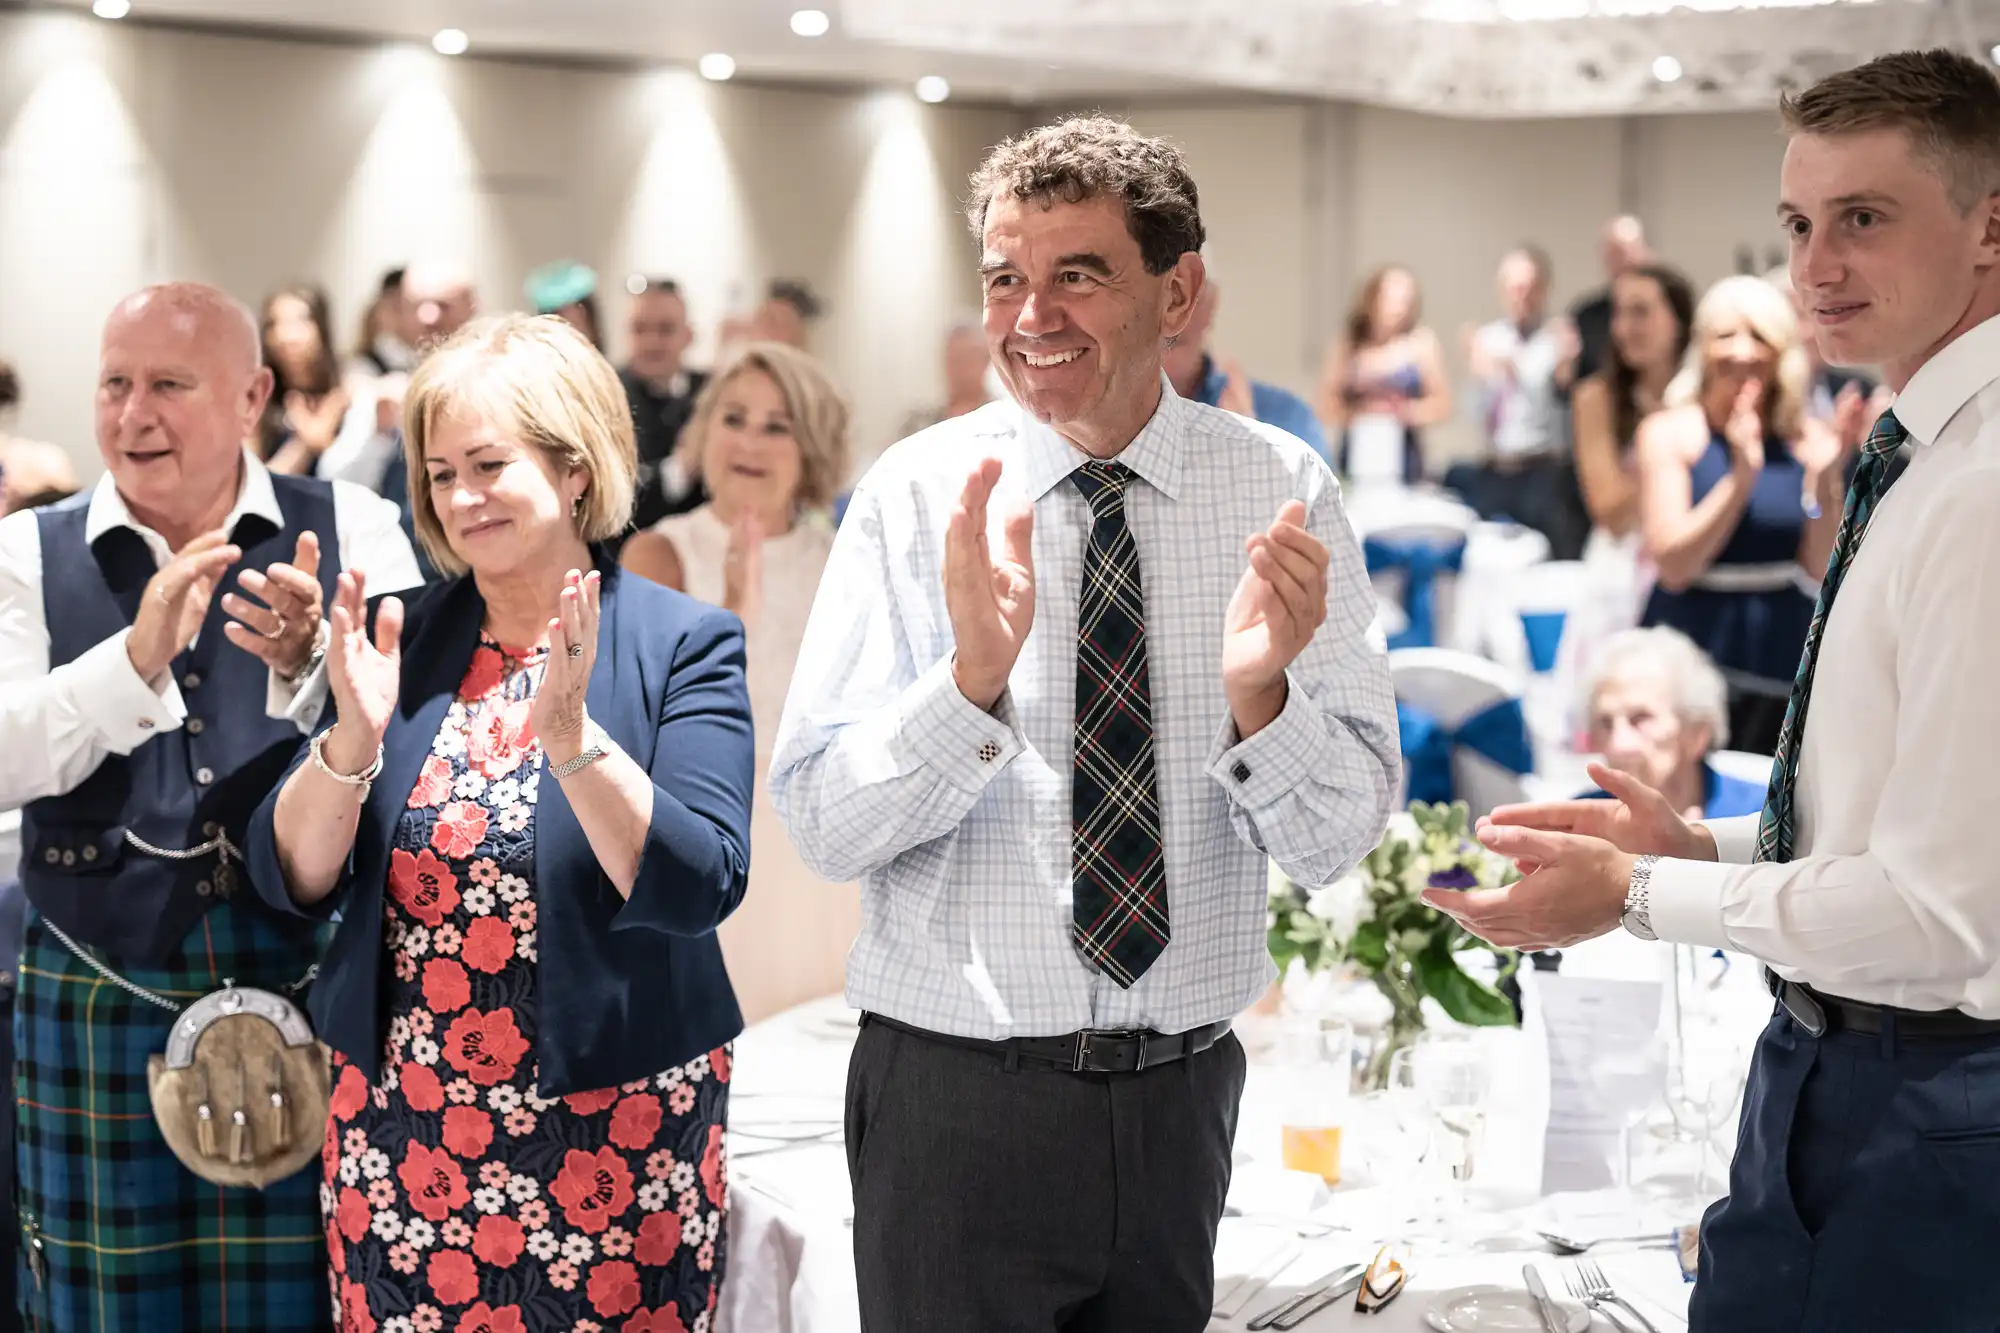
1455 57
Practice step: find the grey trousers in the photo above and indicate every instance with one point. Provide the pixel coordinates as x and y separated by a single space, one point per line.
1033 1200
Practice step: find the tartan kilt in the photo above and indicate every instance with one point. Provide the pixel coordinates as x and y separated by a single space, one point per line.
131 1240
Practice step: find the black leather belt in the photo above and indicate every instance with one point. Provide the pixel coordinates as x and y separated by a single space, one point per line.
1125 1052
1819 1013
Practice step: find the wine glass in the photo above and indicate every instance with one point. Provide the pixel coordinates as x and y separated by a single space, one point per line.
1629 1080
1452 1074
1702 1087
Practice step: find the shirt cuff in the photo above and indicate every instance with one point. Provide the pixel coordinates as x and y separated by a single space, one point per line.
952 734
1686 904
1735 838
128 711
1267 767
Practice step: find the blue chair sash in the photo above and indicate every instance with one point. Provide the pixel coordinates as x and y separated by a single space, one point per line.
1498 733
1421 563
1545 632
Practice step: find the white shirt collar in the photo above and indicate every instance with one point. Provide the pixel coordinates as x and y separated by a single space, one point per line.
1949 380
254 495
1154 454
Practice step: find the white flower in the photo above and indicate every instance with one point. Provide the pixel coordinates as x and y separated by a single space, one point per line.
513 888
542 1244
417 943
488 1200
478 901
505 792
450 740
350 1171
471 784
375 1164
539 1102
697 1068
424 1051
1343 905
504 1098
420 1234
325 1199
513 819
681 1178
398 1324
700 1323
523 1189
399 1030
671 1078
578 1249
524 945
387 1225
653 1195
1417 877
530 785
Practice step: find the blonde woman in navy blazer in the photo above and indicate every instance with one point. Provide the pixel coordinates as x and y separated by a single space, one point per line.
526 1001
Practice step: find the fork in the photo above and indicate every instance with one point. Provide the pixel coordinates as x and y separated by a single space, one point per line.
1598 1291
1580 1292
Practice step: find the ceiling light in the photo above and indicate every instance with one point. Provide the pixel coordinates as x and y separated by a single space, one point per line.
1666 69
1995 53
636 284
450 42
717 66
932 88
811 23
111 9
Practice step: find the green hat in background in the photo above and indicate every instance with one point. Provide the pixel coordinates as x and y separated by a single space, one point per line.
565 282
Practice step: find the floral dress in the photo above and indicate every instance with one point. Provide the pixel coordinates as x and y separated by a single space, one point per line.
457 1198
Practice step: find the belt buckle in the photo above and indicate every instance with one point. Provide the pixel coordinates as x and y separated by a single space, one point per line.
1081 1062
1806 1011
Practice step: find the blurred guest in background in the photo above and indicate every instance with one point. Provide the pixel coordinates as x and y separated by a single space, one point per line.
1386 372
789 311
661 389
965 380
29 469
1522 367
388 341
1622 248
1739 496
567 290
1657 709
308 408
1198 376
1652 319
769 435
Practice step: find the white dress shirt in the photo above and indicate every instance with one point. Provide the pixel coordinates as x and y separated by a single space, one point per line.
957 821
57 726
1892 896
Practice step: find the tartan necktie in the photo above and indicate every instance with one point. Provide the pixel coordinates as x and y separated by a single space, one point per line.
1119 878
1872 480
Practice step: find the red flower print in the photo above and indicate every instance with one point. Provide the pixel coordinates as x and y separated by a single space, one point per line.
433 784
498 1241
635 1122
351 1214
467 1131
593 1189
483 677
421 1088
424 885
719 1061
453 1277
482 1319
460 828
354 1308
498 738
589 1103
434 1182
659 1237
336 1251
489 945
666 1319
349 1094
487 1048
613 1288
711 1166
445 985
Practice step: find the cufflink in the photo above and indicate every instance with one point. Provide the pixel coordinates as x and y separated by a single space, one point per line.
1241 772
145 724
988 752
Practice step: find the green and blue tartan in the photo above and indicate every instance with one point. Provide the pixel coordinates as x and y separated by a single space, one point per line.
1872 479
131 1241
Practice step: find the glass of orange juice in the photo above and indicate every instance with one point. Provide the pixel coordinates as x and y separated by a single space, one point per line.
1317 1058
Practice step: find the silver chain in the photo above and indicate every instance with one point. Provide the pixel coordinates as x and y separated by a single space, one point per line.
219 843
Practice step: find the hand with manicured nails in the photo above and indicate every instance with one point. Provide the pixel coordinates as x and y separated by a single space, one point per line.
557 714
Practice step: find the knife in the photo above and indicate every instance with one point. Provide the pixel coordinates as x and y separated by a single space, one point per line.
1552 1320
1322 1292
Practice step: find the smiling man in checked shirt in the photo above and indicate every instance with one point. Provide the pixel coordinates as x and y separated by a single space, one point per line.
1081 661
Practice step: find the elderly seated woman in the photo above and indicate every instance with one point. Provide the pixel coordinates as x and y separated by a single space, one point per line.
1658 708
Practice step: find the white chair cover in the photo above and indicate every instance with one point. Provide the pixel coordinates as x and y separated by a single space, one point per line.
1453 686
1483 616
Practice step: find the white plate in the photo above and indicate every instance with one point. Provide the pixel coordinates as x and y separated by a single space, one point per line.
1488 1309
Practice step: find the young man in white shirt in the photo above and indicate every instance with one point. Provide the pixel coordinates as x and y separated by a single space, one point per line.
1866 1188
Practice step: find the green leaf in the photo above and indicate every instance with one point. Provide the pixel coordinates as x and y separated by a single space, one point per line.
1464 999
1370 945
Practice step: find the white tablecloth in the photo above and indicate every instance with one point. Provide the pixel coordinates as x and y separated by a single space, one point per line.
790 1257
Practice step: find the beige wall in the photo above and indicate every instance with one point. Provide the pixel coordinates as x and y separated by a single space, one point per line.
133 154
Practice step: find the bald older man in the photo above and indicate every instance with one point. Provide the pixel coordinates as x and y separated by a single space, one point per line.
161 637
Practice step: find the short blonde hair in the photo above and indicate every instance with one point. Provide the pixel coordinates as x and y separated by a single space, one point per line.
540 380
816 407
1657 652
1772 317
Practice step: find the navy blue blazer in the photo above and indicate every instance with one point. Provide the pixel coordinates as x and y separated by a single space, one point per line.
626 988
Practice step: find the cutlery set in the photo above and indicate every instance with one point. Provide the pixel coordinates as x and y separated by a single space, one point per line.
1375 1284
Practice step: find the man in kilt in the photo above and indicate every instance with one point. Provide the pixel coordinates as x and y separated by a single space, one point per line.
160 636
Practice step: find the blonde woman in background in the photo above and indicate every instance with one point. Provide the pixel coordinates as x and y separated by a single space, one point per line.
1739 498
769 437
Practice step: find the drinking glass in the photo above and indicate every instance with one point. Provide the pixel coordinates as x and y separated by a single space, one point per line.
1316 1056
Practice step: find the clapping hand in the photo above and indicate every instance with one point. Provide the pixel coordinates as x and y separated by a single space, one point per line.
743 567
991 602
281 629
175 603
1745 428
316 425
365 677
1638 819
1278 605
558 714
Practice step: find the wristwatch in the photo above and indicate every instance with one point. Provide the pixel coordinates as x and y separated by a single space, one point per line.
1638 917
313 659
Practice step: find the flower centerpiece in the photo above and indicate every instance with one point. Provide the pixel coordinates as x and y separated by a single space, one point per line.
1374 920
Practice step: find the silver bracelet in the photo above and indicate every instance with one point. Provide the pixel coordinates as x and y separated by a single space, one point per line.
365 779
595 746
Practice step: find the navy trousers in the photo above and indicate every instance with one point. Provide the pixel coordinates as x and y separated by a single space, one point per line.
1865 1196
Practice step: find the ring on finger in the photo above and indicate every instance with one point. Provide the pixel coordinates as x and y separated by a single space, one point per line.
279 632
574 650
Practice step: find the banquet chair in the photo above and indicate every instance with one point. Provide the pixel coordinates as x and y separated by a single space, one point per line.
1483 614
1464 736
1414 546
